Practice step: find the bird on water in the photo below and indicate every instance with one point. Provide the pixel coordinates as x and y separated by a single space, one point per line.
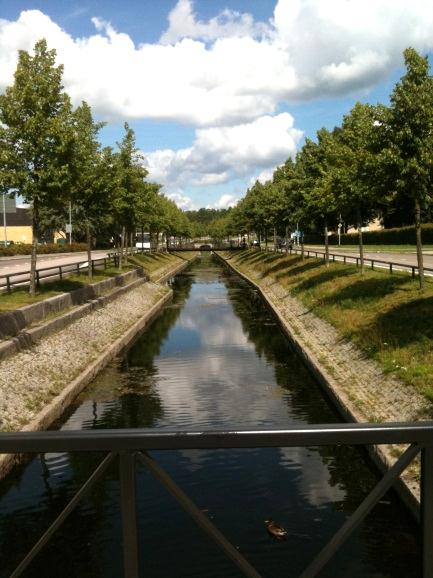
275 530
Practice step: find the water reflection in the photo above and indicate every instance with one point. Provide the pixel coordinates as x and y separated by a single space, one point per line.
215 358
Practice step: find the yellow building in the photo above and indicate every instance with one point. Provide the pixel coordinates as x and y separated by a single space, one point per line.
18 226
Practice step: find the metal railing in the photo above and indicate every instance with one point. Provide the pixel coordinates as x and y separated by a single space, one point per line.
355 259
132 445
44 274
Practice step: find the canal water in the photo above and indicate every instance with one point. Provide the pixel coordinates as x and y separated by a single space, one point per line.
215 358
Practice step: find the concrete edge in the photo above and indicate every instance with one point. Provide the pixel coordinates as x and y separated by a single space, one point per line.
13 322
379 457
28 338
57 406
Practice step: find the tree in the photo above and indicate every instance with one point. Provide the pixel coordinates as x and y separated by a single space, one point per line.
94 175
285 180
35 113
353 168
318 192
411 140
130 180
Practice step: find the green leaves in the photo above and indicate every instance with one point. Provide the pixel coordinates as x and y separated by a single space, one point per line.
411 128
33 111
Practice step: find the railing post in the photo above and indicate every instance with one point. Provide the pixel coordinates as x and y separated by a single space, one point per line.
372 264
413 272
427 511
129 514
390 268
8 283
60 272
38 281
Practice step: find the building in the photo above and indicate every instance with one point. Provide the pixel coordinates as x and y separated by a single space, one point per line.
18 223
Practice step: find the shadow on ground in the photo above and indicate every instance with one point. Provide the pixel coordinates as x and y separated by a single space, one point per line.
362 291
406 324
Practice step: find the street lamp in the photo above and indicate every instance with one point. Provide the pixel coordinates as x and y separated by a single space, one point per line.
4 219
69 225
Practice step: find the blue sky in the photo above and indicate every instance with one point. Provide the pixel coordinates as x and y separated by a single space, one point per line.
219 92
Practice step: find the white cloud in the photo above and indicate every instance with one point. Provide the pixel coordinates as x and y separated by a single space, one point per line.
227 75
229 23
226 201
262 177
219 154
229 69
182 201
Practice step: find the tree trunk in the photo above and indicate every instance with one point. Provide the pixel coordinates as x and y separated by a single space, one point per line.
131 242
35 230
122 242
302 246
266 241
360 241
419 245
287 238
275 239
89 250
326 245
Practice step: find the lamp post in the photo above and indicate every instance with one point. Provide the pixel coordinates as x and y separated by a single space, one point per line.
4 219
69 225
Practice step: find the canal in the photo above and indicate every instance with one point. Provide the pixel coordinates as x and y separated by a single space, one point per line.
215 358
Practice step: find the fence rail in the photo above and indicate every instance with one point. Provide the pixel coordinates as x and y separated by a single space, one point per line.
132 445
356 259
44 274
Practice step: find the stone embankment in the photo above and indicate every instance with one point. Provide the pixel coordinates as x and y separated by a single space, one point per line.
38 383
357 385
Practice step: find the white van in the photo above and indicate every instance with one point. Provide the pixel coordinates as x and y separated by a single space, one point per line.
142 241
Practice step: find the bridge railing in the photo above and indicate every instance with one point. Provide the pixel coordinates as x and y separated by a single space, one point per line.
132 445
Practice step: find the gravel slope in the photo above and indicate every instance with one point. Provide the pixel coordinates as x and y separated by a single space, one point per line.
31 378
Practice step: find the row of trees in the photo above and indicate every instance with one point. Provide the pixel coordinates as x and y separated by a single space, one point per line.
379 162
51 156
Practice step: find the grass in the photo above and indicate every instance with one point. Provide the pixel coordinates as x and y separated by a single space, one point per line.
152 263
20 297
385 315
